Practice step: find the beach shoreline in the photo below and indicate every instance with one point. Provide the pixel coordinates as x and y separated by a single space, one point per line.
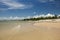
30 30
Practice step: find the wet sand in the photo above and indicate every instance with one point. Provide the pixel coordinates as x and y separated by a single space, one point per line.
30 30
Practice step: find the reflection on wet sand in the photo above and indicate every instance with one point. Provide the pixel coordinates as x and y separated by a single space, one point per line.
29 31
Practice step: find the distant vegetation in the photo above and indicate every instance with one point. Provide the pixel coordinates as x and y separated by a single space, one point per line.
42 18
32 18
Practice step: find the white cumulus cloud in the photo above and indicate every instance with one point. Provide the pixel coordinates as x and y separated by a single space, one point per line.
28 17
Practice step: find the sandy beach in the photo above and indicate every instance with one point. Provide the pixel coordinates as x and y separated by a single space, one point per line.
30 30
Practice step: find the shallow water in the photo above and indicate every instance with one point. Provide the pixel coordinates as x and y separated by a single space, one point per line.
20 30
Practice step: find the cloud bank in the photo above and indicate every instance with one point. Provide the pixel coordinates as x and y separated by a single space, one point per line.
20 18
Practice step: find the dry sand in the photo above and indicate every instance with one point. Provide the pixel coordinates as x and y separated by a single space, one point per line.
31 31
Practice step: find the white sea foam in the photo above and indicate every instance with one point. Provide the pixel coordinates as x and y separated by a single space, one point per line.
15 29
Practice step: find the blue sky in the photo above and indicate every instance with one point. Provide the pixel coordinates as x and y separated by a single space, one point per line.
23 8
